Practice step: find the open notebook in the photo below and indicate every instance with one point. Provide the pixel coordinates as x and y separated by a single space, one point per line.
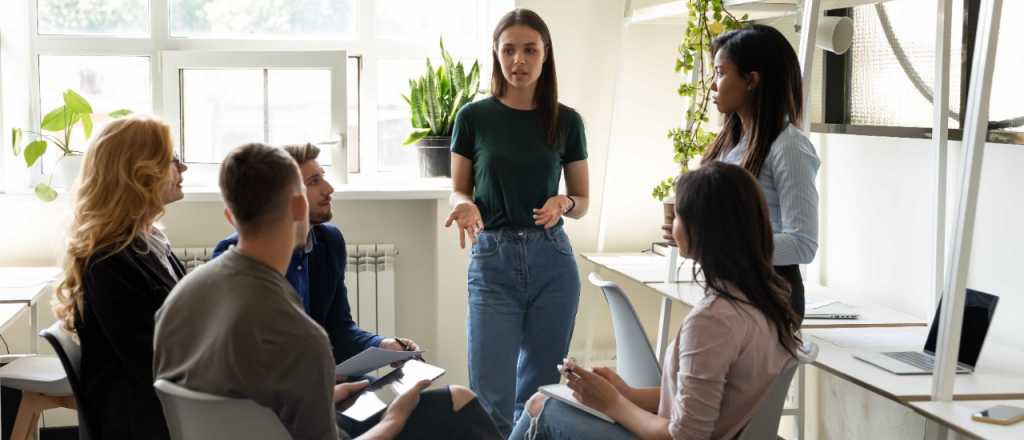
563 393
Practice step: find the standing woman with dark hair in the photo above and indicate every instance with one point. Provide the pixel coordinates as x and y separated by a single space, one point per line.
509 154
758 89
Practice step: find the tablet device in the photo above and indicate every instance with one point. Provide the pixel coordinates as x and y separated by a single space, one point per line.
379 394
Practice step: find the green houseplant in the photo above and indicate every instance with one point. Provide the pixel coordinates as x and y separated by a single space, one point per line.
434 99
56 128
707 19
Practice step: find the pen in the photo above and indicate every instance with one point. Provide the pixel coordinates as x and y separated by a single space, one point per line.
406 347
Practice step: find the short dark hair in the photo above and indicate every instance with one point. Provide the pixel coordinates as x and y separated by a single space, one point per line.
302 153
256 181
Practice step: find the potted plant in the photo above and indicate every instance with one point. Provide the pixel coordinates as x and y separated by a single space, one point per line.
434 99
56 128
707 20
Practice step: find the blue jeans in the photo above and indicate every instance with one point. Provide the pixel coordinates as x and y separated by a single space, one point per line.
524 289
558 421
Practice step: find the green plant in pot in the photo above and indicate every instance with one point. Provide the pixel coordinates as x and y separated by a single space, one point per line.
707 19
56 128
434 99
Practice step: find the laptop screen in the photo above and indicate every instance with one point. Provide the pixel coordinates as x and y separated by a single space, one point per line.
978 310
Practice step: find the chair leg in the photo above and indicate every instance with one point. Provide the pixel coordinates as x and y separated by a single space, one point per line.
28 415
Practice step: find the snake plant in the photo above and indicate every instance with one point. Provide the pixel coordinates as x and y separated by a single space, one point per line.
437 96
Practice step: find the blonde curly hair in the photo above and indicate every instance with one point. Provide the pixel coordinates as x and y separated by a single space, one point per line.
123 176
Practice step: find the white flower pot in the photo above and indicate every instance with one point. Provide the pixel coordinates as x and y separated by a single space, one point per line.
66 170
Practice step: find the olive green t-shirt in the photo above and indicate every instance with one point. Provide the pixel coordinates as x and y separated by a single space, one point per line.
515 170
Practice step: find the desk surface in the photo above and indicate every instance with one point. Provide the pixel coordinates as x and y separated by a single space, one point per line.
642 267
957 416
25 284
997 376
870 316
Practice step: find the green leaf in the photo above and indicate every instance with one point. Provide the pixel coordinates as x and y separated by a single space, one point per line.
33 151
119 113
87 124
416 135
45 193
76 102
15 140
55 120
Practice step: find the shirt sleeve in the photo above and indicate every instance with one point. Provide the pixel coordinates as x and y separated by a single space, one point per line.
575 139
463 137
795 166
707 349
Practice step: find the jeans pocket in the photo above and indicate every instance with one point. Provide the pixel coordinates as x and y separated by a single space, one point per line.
561 243
485 246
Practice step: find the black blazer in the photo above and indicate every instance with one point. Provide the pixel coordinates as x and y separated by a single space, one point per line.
122 292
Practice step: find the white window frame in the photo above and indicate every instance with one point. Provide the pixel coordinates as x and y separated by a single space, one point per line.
174 62
362 44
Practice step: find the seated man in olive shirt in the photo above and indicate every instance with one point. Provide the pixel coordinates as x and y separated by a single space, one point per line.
235 327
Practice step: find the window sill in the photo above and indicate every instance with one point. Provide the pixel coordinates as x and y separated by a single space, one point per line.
360 189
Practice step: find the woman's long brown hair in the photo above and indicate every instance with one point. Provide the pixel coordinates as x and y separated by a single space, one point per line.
545 96
727 231
124 173
776 101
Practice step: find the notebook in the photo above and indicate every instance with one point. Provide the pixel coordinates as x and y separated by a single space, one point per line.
564 393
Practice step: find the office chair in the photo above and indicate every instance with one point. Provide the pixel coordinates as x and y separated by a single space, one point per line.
635 360
192 415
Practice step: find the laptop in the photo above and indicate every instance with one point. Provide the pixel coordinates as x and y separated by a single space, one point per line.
978 311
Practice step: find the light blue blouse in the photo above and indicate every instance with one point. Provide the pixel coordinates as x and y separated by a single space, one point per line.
787 178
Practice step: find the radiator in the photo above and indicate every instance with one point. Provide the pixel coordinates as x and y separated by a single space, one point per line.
369 278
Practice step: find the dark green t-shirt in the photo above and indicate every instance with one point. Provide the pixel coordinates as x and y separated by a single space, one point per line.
515 170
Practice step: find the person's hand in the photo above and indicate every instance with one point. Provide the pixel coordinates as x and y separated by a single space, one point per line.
399 344
467 216
593 390
403 405
616 381
553 209
342 391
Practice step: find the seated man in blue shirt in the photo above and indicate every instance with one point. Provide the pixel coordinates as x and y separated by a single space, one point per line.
317 271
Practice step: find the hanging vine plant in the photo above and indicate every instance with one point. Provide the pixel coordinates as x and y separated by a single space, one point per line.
707 19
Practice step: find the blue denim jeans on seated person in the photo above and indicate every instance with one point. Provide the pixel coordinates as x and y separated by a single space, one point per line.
559 421
524 289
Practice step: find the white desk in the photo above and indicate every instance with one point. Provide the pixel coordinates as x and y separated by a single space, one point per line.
957 416
644 268
998 374
26 285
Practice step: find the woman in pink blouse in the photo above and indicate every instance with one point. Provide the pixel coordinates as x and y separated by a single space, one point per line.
729 349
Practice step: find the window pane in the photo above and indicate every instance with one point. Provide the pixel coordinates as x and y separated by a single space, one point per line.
1007 94
118 17
393 123
881 91
425 21
300 108
263 18
108 82
221 109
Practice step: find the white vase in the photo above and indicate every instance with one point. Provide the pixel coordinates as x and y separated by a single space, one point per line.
66 171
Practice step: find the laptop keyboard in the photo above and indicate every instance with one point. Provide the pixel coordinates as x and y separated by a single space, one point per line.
917 359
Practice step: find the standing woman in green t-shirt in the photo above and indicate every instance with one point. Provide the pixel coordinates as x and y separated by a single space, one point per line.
509 154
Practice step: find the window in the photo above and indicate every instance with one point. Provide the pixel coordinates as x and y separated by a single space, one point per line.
169 57
886 78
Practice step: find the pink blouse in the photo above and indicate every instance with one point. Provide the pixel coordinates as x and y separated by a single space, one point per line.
718 369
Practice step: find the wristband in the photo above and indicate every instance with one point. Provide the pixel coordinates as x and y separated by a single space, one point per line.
572 206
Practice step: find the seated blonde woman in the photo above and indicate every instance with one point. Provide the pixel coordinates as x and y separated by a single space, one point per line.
118 269
727 352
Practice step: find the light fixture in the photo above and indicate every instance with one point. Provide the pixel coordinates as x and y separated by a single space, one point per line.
835 34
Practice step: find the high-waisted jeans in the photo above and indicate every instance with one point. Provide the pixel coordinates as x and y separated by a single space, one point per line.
524 289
